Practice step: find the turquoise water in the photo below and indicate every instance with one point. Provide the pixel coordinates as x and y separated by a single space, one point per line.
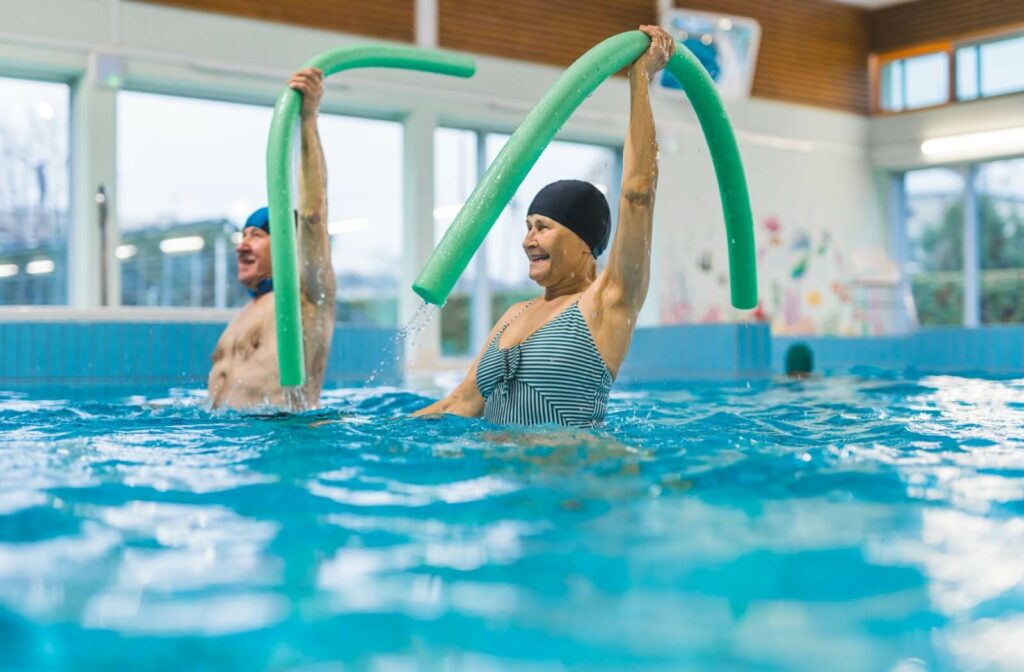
854 523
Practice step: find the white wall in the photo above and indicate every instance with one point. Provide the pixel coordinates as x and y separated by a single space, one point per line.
895 140
814 202
807 168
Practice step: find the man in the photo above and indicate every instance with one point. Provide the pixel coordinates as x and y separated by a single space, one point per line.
245 370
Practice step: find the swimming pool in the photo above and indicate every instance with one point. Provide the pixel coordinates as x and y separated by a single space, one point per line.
869 522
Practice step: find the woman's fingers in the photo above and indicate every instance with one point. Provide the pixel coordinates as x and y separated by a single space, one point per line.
662 45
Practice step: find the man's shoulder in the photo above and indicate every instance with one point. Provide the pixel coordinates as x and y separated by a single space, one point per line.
254 312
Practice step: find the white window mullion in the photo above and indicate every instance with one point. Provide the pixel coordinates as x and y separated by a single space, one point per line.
901 249
972 260
93 165
418 231
480 302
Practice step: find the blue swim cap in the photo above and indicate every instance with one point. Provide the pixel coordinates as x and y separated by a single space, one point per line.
260 219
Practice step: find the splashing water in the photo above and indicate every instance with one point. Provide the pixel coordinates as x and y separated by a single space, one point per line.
408 335
295 399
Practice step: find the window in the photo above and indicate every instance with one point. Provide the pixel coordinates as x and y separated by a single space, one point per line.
950 284
934 230
189 173
364 181
480 298
967 73
915 82
1000 198
33 192
990 68
980 70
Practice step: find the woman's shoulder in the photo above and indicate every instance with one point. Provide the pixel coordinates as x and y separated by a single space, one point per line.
515 309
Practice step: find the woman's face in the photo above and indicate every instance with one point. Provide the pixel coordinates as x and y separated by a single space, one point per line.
556 254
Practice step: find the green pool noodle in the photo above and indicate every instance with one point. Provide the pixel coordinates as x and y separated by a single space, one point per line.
287 308
517 157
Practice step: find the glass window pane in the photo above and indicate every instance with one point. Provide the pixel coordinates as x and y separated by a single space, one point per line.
188 170
967 73
33 192
1000 188
927 80
892 86
1001 70
506 262
455 176
934 230
364 201
191 170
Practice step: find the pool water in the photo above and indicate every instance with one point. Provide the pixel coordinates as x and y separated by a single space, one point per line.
868 522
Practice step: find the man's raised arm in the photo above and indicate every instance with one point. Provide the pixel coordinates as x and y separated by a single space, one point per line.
317 275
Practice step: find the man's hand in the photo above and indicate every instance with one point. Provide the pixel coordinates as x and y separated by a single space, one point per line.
310 83
657 55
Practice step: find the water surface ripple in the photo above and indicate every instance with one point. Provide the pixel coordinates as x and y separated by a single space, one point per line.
849 523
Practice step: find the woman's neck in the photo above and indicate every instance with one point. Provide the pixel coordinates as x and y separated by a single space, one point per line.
574 284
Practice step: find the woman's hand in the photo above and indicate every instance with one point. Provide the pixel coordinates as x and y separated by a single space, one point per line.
657 55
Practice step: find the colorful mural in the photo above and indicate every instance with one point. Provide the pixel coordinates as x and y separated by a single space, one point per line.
807 286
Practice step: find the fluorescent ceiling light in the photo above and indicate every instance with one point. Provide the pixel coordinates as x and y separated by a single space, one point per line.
347 225
447 211
183 244
40 267
1007 139
126 251
8 270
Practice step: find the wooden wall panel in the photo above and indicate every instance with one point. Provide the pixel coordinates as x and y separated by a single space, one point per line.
555 32
924 21
812 51
388 19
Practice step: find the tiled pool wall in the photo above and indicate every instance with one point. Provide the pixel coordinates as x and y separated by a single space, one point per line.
80 351
165 353
997 350
698 352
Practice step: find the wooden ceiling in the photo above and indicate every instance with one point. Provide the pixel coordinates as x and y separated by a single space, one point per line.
924 21
387 19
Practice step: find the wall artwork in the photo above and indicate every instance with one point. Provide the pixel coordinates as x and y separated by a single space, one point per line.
803 276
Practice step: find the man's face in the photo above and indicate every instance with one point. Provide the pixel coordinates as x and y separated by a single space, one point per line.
253 254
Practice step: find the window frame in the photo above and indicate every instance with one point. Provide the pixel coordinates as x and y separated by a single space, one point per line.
972 262
877 63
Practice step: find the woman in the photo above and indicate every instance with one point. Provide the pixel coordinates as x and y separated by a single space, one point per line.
552 360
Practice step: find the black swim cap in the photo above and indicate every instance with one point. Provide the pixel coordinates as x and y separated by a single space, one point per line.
578 206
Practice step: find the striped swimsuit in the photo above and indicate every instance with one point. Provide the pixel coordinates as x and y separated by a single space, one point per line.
555 376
